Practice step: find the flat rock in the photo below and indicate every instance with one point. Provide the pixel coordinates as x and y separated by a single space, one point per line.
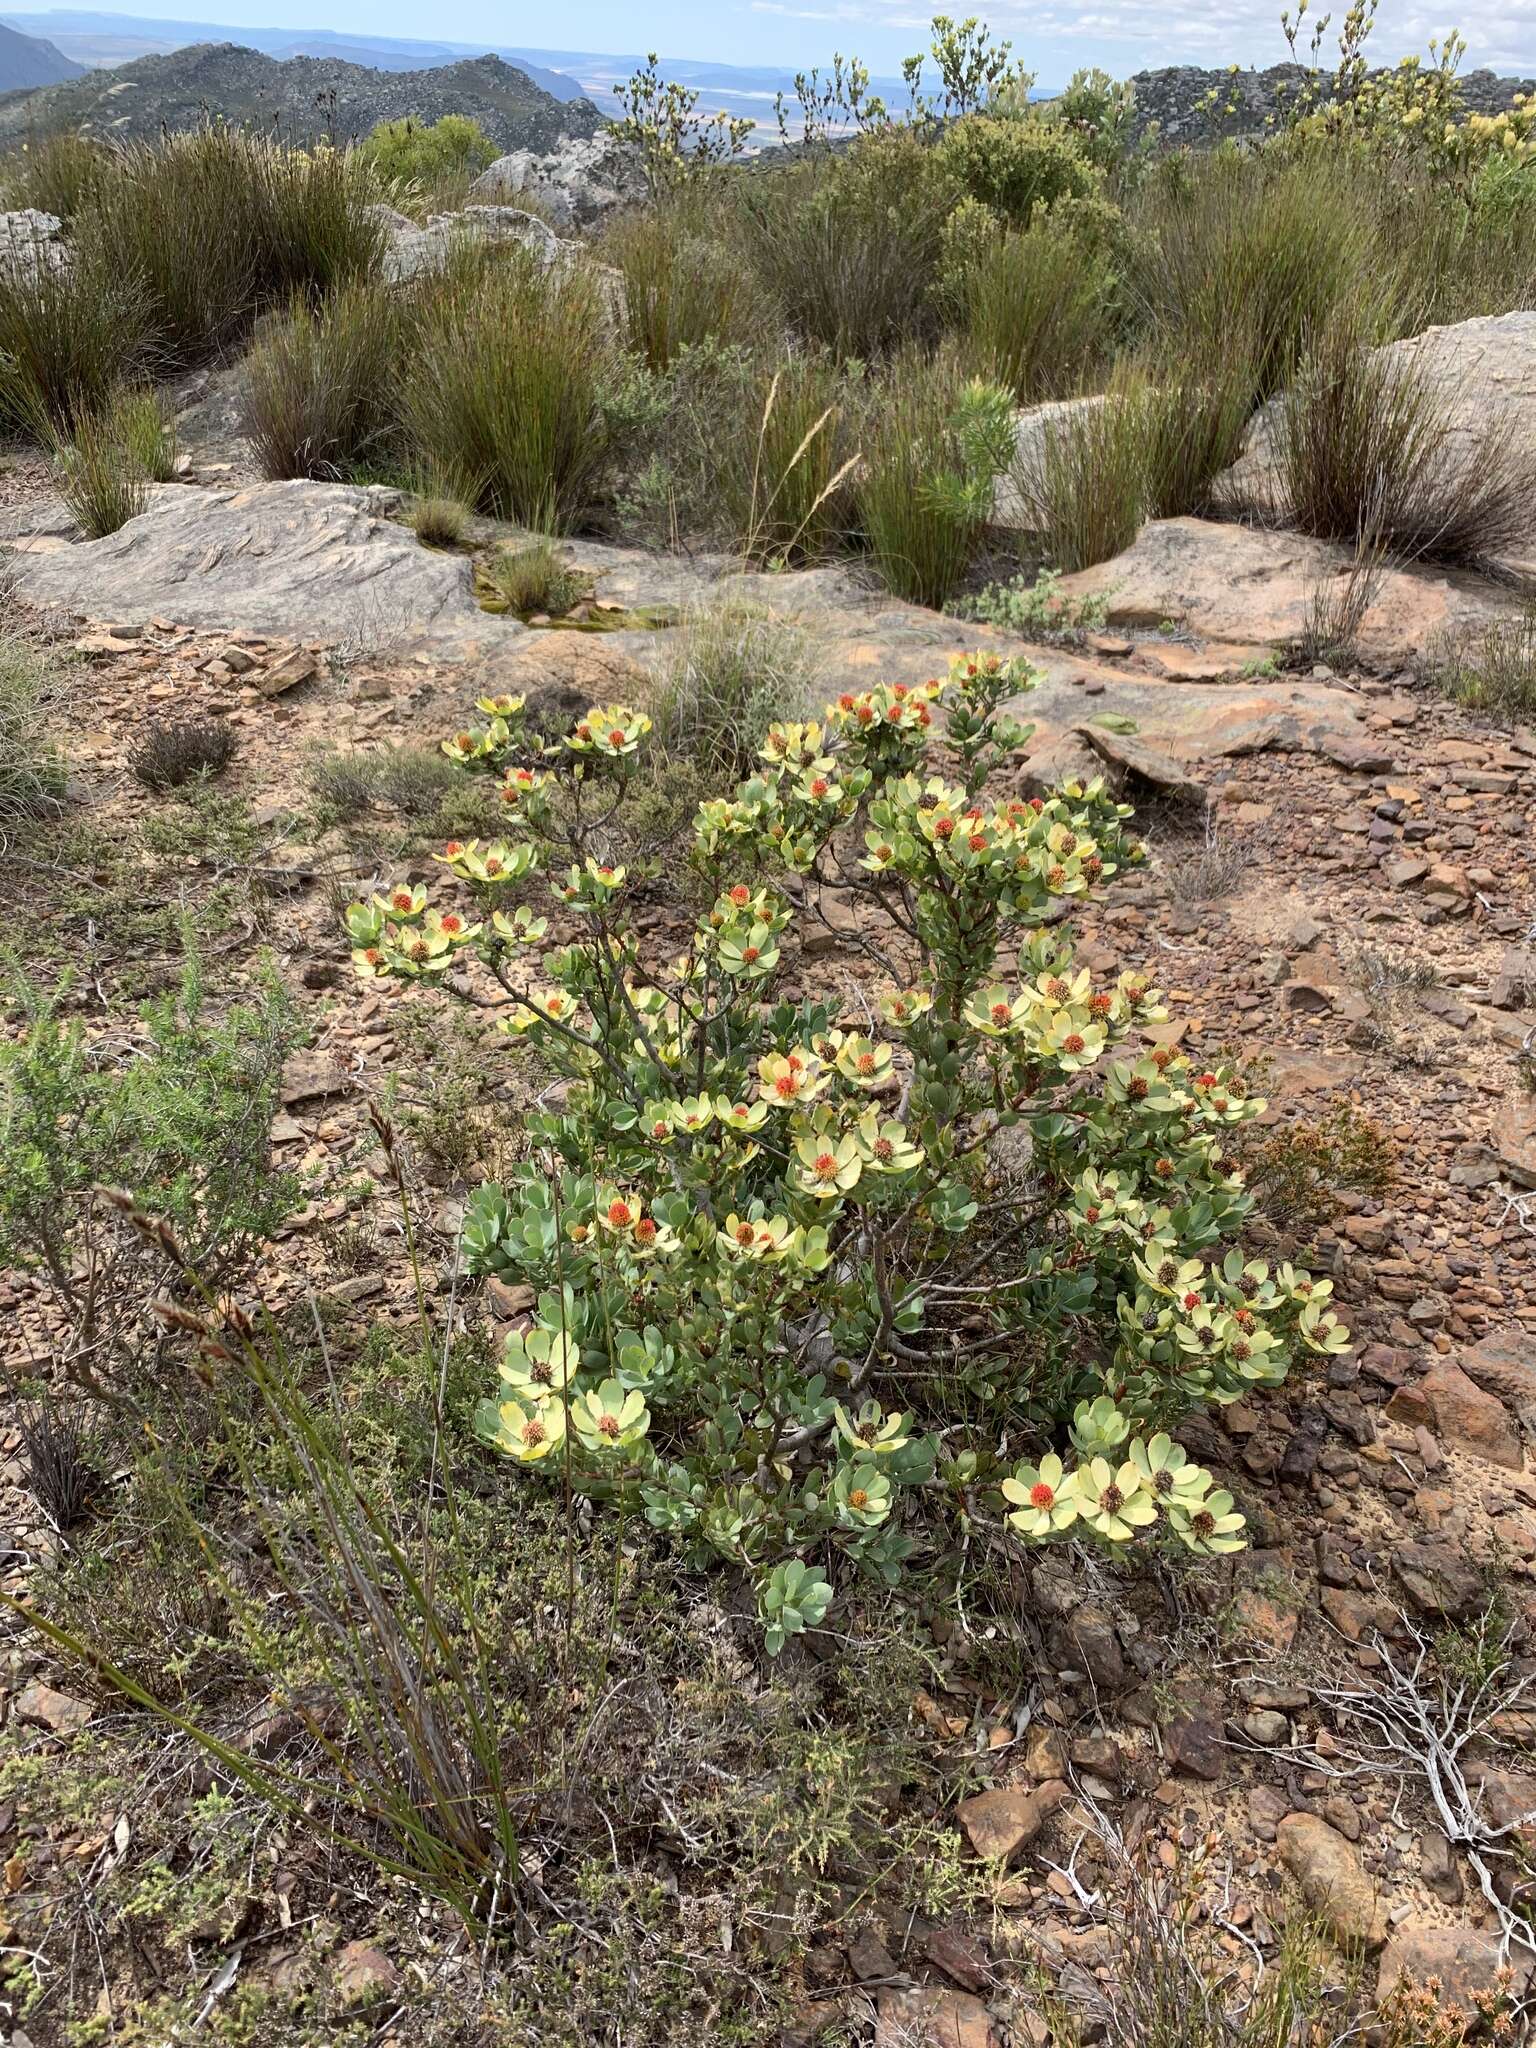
1332 1879
1241 585
1460 1412
40 1706
1143 763
293 560
923 2017
1464 1960
1504 1364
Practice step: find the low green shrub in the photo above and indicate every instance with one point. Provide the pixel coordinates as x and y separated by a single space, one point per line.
1494 669
59 174
505 384
728 672
98 474
764 1246
684 282
319 391
1041 608
786 470
850 247
1015 166
439 518
214 226
534 579
934 447
184 1124
176 752
436 157
31 770
1274 240
1193 419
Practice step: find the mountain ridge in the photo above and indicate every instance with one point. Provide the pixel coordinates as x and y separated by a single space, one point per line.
300 98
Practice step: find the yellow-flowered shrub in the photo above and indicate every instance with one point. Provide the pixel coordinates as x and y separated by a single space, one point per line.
811 1279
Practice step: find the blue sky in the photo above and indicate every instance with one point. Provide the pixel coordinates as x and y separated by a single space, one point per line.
1123 35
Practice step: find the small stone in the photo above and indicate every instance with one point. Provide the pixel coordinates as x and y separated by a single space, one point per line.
364 1973
40 1706
999 1824
1266 1727
312 1077
1193 1746
1460 1413
1331 1878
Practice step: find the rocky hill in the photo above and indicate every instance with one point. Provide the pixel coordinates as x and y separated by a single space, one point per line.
29 61
300 99
1179 98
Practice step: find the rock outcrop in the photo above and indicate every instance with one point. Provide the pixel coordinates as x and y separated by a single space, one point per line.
1188 104
414 248
576 184
30 240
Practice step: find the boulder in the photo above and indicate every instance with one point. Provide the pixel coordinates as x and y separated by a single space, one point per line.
575 184
1332 1879
1247 585
1481 372
295 561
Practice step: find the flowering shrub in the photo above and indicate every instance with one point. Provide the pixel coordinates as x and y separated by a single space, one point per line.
800 1274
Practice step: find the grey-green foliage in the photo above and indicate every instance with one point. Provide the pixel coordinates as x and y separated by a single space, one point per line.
178 1114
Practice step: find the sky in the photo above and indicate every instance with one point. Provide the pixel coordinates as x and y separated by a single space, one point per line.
1054 38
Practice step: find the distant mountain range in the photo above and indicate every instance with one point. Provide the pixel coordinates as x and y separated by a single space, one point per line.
96 39
299 98
27 61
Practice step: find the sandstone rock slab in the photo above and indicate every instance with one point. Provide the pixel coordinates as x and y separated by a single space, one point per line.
296 560
1241 585
1464 1961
